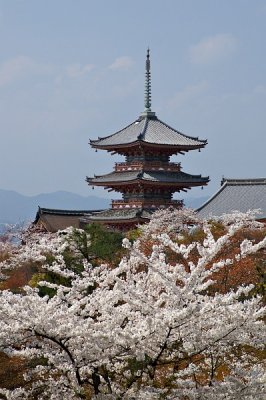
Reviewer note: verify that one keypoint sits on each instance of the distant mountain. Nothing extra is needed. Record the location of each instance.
(15, 207)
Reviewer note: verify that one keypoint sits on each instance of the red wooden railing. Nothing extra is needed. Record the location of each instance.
(136, 203)
(148, 166)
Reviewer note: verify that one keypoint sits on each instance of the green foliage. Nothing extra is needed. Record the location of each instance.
(134, 234)
(48, 277)
(134, 365)
(105, 245)
(82, 244)
(34, 362)
(96, 244)
(73, 262)
(36, 278)
(73, 255)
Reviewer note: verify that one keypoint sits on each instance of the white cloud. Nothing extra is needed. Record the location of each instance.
(22, 66)
(13, 69)
(77, 70)
(212, 49)
(123, 62)
(260, 89)
(188, 94)
(19, 67)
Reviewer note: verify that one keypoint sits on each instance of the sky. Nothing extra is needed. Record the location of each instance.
(73, 70)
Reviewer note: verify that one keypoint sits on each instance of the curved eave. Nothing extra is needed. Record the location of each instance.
(142, 143)
(94, 142)
(201, 182)
(150, 130)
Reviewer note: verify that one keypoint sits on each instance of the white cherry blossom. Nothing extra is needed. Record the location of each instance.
(115, 333)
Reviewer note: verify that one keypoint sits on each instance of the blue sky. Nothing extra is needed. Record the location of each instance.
(71, 70)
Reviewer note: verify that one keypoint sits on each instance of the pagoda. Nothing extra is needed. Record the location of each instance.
(146, 179)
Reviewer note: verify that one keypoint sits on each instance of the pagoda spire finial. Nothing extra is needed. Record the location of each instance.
(147, 97)
(147, 92)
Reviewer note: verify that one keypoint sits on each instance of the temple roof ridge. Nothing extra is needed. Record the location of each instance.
(142, 134)
(115, 133)
(243, 181)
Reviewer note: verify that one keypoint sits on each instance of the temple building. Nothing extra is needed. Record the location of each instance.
(237, 194)
(146, 179)
(53, 220)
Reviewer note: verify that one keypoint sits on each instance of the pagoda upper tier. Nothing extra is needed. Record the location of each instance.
(148, 132)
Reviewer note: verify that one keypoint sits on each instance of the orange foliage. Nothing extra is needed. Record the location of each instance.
(11, 371)
(248, 270)
(18, 277)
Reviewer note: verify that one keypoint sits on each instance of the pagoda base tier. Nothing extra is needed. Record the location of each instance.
(122, 220)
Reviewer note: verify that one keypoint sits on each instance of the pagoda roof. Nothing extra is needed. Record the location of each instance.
(149, 176)
(149, 129)
(117, 215)
(237, 195)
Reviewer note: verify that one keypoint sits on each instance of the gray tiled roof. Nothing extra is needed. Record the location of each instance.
(112, 214)
(54, 220)
(149, 130)
(237, 195)
(158, 176)
(55, 211)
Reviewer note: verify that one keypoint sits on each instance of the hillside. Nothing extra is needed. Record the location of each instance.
(15, 207)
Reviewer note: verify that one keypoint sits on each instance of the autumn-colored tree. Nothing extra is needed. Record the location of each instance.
(186, 228)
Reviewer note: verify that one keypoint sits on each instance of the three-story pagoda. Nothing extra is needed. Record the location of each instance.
(147, 179)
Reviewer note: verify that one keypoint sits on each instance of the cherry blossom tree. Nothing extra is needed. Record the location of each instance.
(147, 329)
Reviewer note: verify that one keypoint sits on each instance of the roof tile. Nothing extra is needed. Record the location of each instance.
(149, 130)
(237, 195)
(158, 176)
